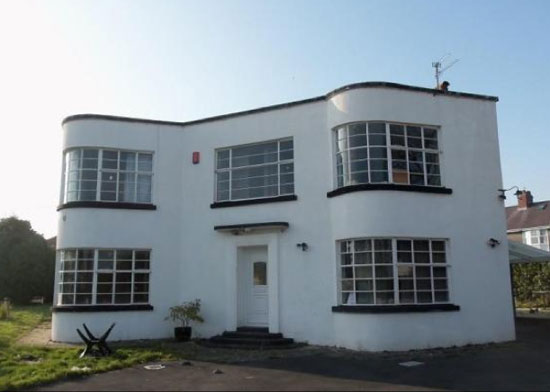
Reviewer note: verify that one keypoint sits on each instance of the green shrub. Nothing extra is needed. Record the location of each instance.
(528, 279)
(4, 310)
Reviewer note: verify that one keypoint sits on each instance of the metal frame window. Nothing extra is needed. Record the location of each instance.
(93, 174)
(539, 238)
(392, 271)
(104, 277)
(383, 152)
(254, 171)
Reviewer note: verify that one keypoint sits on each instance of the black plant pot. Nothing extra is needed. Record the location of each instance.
(182, 334)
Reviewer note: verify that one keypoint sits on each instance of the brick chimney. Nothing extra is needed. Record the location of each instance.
(525, 199)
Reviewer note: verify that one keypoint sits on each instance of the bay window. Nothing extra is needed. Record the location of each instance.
(392, 271)
(93, 174)
(383, 152)
(103, 277)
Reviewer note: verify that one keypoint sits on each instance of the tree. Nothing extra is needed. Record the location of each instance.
(27, 263)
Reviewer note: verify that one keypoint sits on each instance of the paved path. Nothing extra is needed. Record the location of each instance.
(200, 377)
(522, 365)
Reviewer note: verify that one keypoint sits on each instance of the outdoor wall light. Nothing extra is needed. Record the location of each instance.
(503, 191)
(493, 242)
(303, 245)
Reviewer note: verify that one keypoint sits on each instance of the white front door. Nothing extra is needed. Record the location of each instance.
(253, 287)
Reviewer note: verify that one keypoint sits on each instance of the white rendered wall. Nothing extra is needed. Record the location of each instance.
(191, 260)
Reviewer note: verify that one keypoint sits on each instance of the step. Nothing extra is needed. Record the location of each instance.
(253, 329)
(210, 344)
(252, 341)
(257, 335)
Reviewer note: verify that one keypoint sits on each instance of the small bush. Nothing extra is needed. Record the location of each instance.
(4, 310)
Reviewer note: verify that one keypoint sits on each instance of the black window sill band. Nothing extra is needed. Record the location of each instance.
(247, 202)
(100, 308)
(395, 308)
(107, 204)
(389, 187)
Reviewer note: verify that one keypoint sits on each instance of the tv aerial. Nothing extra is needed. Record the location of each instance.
(440, 67)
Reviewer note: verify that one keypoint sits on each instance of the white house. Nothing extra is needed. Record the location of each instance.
(360, 219)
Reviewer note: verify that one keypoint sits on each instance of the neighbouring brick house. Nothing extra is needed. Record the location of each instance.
(529, 222)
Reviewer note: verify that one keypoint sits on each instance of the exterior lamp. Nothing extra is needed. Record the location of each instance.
(503, 192)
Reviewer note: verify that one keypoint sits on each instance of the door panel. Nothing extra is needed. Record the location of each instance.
(253, 287)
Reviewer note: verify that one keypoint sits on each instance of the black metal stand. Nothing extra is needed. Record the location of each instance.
(91, 341)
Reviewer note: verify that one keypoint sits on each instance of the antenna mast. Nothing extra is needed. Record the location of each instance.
(438, 70)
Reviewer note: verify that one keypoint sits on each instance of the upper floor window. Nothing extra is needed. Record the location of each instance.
(379, 152)
(255, 171)
(93, 174)
(387, 271)
(538, 238)
(103, 277)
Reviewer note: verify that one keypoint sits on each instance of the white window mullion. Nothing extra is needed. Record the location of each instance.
(230, 196)
(132, 276)
(389, 158)
(414, 272)
(94, 277)
(99, 175)
(117, 174)
(113, 292)
(396, 299)
(432, 271)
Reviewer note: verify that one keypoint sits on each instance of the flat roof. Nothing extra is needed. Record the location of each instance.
(284, 105)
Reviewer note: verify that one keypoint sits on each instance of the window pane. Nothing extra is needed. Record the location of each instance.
(406, 297)
(144, 188)
(441, 296)
(363, 285)
(424, 296)
(260, 273)
(379, 128)
(347, 273)
(127, 161)
(363, 272)
(384, 284)
(145, 162)
(384, 272)
(381, 245)
(405, 271)
(346, 259)
(384, 298)
(222, 159)
(347, 285)
(363, 258)
(254, 155)
(365, 298)
(110, 160)
(127, 187)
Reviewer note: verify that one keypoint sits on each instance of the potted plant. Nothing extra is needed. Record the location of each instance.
(185, 313)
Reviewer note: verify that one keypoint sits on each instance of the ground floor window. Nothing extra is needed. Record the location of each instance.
(104, 276)
(388, 271)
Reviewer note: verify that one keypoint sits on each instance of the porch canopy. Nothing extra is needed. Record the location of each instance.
(520, 254)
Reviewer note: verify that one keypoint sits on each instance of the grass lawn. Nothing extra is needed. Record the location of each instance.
(25, 366)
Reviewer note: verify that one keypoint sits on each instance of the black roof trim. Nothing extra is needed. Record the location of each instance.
(282, 105)
(252, 226)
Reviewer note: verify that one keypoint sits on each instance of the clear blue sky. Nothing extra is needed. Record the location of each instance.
(181, 60)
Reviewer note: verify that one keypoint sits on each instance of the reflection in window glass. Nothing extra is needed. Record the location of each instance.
(255, 171)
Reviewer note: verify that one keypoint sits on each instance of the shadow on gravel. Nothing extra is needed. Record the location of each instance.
(520, 365)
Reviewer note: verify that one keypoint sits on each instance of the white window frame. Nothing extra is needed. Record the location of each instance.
(389, 147)
(100, 170)
(96, 270)
(394, 264)
(230, 169)
(538, 238)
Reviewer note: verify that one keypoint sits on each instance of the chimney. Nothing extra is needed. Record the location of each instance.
(444, 87)
(525, 199)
